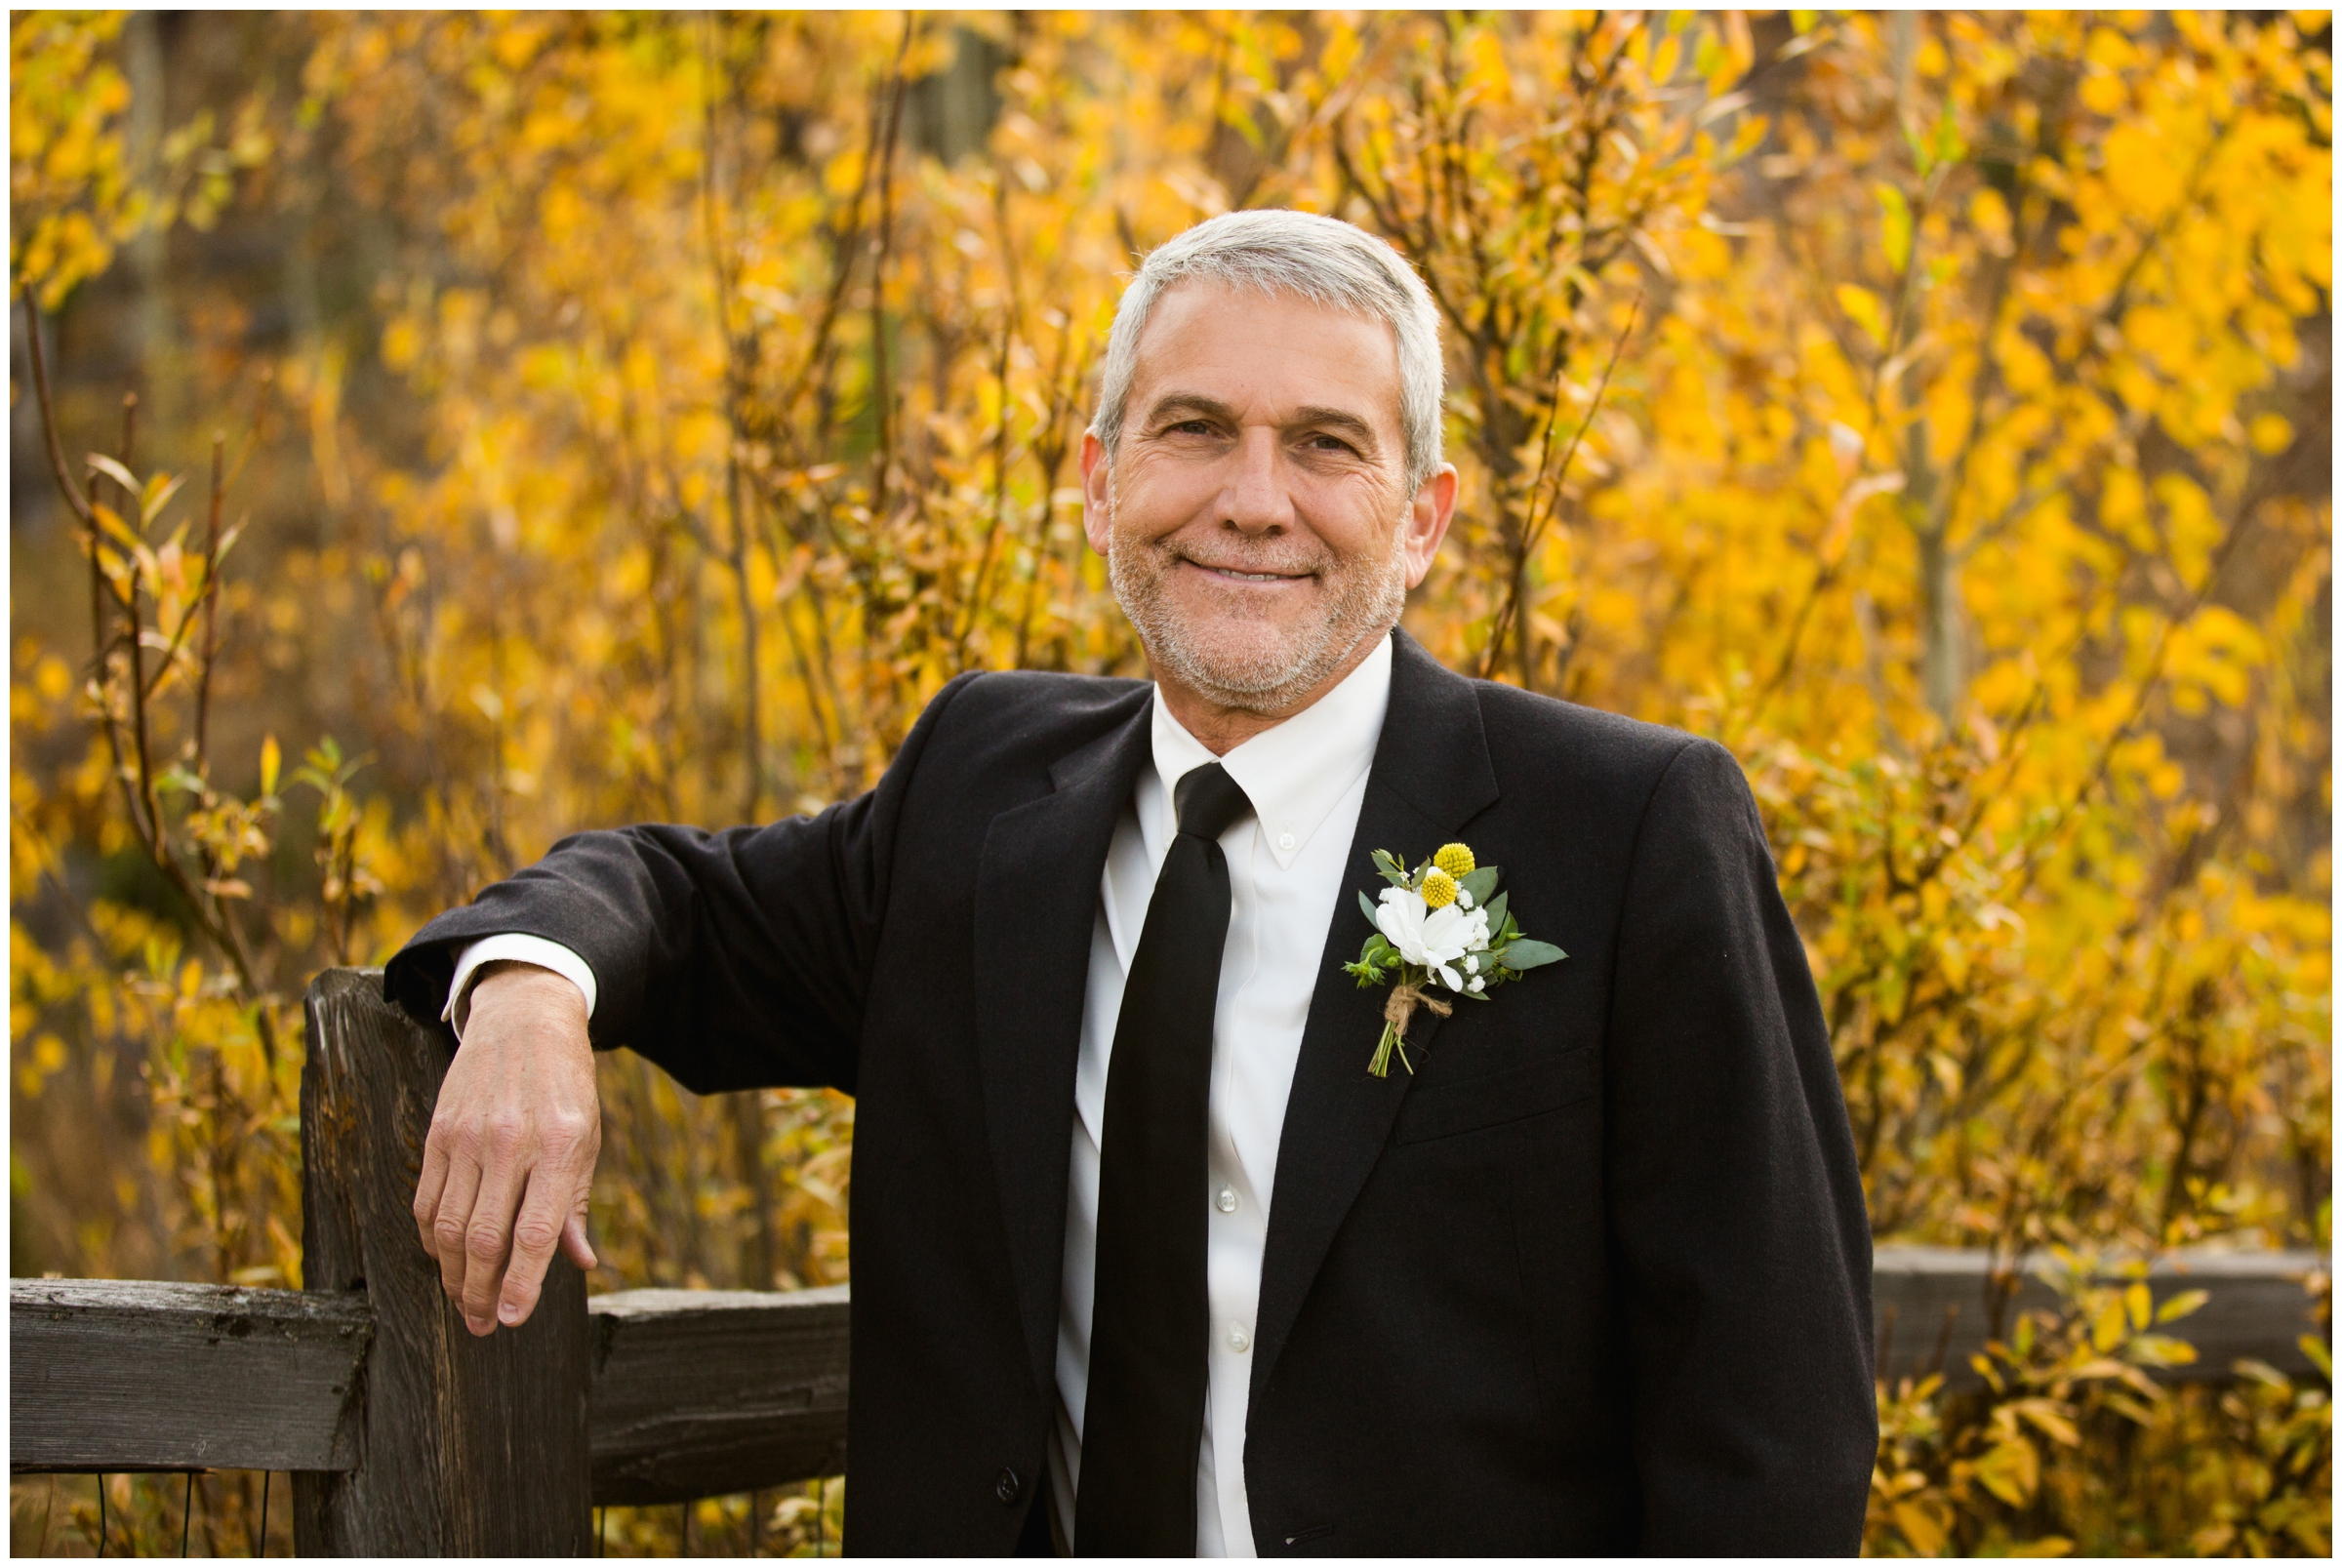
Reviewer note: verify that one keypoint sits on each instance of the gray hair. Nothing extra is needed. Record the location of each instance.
(1323, 261)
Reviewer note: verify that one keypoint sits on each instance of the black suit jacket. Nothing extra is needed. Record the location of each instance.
(1594, 1278)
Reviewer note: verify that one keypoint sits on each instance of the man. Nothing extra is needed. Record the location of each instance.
(1146, 1261)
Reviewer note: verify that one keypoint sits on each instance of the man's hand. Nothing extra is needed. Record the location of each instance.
(509, 1162)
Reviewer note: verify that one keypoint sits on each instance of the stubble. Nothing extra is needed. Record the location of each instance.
(1256, 666)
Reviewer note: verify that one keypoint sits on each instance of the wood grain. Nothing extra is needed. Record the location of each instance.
(1934, 1309)
(465, 1447)
(146, 1375)
(700, 1393)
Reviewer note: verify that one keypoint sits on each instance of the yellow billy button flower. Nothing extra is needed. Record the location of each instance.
(1439, 889)
(1455, 860)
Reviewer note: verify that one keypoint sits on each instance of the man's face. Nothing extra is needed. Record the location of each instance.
(1256, 521)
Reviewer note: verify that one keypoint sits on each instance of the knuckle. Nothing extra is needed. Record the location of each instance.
(448, 1231)
(484, 1243)
(534, 1235)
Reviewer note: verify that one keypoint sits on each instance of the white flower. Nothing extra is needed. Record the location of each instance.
(1433, 938)
(1477, 984)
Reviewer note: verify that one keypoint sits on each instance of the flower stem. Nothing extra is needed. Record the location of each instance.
(1392, 1040)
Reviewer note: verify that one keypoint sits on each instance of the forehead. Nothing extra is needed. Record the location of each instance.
(1266, 352)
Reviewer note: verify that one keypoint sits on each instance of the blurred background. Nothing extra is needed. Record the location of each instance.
(518, 423)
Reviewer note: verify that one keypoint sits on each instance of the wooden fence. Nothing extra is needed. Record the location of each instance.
(406, 1436)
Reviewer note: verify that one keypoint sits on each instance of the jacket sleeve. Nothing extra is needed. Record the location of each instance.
(735, 960)
(1736, 1202)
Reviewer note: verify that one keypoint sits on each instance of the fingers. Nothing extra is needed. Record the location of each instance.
(573, 1245)
(452, 1223)
(535, 1233)
(488, 1240)
(428, 1190)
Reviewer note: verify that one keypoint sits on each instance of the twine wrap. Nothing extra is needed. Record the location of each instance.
(1399, 1010)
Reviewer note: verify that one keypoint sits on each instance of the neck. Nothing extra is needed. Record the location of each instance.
(1222, 727)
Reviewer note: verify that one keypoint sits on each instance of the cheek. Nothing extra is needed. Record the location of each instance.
(1149, 489)
(1363, 522)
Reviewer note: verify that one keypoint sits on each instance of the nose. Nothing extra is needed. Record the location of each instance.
(1255, 500)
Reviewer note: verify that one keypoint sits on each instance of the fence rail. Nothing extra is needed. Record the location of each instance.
(406, 1436)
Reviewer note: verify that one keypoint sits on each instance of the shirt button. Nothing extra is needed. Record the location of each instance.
(1227, 1200)
(1238, 1340)
(1284, 841)
(1007, 1485)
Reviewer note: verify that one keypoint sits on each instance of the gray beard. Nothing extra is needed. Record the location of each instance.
(1367, 603)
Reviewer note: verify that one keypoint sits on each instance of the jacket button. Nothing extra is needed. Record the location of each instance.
(1007, 1486)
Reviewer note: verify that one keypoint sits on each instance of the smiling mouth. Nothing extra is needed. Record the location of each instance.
(1233, 575)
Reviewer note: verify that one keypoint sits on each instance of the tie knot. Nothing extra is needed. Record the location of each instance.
(1209, 802)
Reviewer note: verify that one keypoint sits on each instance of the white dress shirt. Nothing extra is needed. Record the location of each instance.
(1307, 780)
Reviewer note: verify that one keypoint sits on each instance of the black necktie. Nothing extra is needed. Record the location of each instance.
(1151, 1323)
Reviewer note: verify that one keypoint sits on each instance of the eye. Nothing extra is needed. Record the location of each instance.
(1325, 441)
(1189, 428)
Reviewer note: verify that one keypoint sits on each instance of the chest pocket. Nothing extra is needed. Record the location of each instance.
(1443, 1110)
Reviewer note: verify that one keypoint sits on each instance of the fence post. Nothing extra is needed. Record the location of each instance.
(465, 1447)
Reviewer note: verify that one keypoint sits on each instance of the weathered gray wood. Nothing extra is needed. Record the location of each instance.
(137, 1374)
(1934, 1308)
(699, 1392)
(465, 1447)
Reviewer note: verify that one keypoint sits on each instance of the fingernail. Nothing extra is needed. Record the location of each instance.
(509, 1313)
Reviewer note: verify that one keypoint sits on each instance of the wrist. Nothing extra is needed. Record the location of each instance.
(506, 981)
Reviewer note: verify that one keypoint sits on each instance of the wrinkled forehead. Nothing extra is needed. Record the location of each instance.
(1264, 331)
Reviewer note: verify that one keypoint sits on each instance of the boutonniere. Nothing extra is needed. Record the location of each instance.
(1442, 926)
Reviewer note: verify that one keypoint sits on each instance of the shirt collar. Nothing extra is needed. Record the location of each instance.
(1296, 772)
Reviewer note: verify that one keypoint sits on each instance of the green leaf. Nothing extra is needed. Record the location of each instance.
(1896, 231)
(1525, 955)
(1392, 872)
(160, 488)
(2181, 1304)
(1480, 884)
(113, 470)
(1950, 146)
(2320, 1355)
(1366, 903)
(1496, 912)
(2160, 1350)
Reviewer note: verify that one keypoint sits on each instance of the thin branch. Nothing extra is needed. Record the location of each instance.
(40, 385)
(210, 608)
(1533, 528)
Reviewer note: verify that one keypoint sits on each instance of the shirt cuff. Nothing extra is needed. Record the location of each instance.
(513, 947)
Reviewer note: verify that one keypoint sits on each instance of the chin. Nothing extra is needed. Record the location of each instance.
(1236, 657)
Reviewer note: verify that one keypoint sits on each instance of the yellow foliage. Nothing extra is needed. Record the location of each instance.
(1913, 402)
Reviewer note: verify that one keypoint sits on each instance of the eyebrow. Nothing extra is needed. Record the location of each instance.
(1171, 403)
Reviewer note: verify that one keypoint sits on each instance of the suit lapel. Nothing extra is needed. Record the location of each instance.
(1432, 775)
(1036, 900)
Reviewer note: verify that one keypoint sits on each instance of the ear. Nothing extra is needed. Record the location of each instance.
(1426, 522)
(1097, 492)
